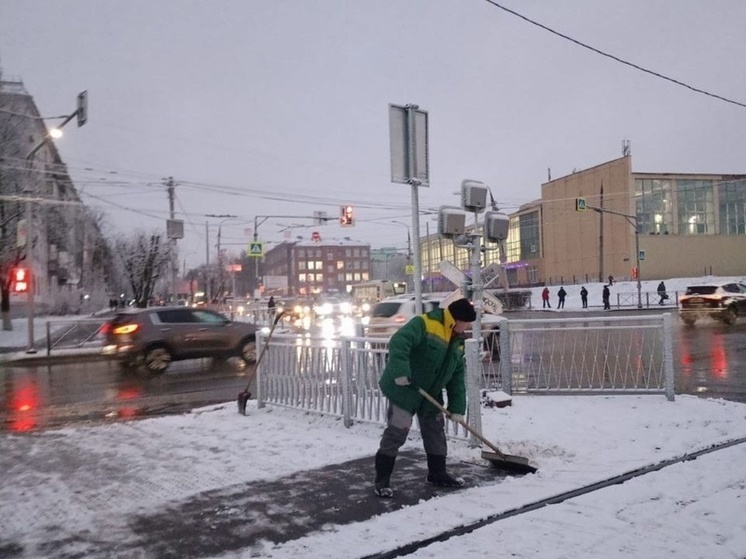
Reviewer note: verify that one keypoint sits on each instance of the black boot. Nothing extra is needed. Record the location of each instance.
(437, 475)
(384, 467)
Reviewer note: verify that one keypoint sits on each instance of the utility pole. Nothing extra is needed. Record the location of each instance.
(172, 241)
(601, 237)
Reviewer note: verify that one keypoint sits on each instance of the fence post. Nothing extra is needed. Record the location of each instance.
(260, 341)
(506, 359)
(473, 376)
(668, 356)
(346, 374)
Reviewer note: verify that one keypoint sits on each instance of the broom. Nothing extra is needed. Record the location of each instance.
(244, 395)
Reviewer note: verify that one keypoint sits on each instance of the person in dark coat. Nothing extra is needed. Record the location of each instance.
(427, 353)
(605, 295)
(584, 297)
(545, 299)
(271, 307)
(561, 294)
(662, 293)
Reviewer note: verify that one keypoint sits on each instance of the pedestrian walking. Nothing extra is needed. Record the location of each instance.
(545, 299)
(662, 293)
(605, 295)
(427, 353)
(584, 297)
(561, 294)
(271, 307)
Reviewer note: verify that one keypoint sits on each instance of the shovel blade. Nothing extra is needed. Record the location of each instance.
(243, 397)
(509, 463)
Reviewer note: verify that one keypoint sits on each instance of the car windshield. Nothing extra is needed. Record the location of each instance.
(386, 310)
(701, 289)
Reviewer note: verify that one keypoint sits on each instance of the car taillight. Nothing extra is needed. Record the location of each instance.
(125, 329)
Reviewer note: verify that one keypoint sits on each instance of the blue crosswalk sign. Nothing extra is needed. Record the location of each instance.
(256, 249)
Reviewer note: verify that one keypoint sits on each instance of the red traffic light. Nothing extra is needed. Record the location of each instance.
(347, 216)
(21, 277)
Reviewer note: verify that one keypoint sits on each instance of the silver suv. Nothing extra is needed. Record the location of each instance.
(155, 336)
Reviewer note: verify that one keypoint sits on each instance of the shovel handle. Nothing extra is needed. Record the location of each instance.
(463, 423)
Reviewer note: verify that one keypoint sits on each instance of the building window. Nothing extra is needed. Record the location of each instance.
(653, 206)
(732, 196)
(302, 265)
(532, 274)
(696, 208)
(340, 264)
(526, 245)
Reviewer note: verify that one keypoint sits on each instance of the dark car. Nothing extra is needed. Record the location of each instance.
(721, 301)
(155, 336)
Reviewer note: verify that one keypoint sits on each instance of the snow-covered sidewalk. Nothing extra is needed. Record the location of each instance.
(84, 490)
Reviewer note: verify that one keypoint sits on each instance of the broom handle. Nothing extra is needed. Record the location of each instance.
(264, 347)
(465, 425)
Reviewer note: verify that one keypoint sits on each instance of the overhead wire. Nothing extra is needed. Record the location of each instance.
(614, 57)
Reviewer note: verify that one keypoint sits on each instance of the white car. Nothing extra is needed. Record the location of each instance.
(391, 314)
(721, 301)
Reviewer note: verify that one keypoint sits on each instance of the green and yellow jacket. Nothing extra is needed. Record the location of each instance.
(426, 351)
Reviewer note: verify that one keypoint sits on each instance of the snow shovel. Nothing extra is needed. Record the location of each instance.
(244, 395)
(507, 462)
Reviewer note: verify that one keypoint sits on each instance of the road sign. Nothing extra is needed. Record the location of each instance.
(256, 249)
(452, 273)
(580, 204)
(491, 304)
(409, 144)
(642, 255)
(409, 269)
(488, 274)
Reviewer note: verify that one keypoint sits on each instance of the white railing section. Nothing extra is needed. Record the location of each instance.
(620, 355)
(614, 355)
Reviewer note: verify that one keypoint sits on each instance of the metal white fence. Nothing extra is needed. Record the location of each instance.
(614, 355)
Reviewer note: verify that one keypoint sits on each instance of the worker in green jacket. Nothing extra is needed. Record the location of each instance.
(427, 353)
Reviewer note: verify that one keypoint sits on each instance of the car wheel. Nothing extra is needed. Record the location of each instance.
(731, 315)
(157, 360)
(248, 350)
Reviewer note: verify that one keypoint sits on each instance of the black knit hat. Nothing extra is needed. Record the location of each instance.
(462, 310)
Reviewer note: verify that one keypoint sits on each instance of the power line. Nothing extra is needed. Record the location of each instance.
(615, 58)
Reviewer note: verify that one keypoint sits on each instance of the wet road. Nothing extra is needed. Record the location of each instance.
(709, 360)
(46, 396)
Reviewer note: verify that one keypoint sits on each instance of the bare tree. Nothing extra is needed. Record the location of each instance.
(144, 258)
(11, 209)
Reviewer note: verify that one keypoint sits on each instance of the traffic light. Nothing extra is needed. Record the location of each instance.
(347, 216)
(20, 280)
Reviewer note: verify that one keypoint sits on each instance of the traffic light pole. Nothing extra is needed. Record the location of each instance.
(633, 221)
(264, 218)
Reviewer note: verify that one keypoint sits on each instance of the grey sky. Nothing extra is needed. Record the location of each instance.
(250, 105)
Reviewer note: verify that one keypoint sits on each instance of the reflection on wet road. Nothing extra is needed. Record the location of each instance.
(45, 396)
(710, 360)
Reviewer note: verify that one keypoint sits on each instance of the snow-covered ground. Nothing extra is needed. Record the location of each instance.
(690, 510)
(90, 480)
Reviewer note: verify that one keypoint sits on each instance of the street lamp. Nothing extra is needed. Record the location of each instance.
(207, 250)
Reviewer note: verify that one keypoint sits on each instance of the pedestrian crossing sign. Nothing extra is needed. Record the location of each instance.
(256, 249)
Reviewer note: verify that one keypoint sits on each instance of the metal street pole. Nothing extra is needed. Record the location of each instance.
(32, 281)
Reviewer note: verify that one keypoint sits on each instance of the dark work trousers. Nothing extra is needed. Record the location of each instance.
(398, 423)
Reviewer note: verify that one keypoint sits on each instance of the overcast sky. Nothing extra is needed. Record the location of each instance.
(281, 108)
